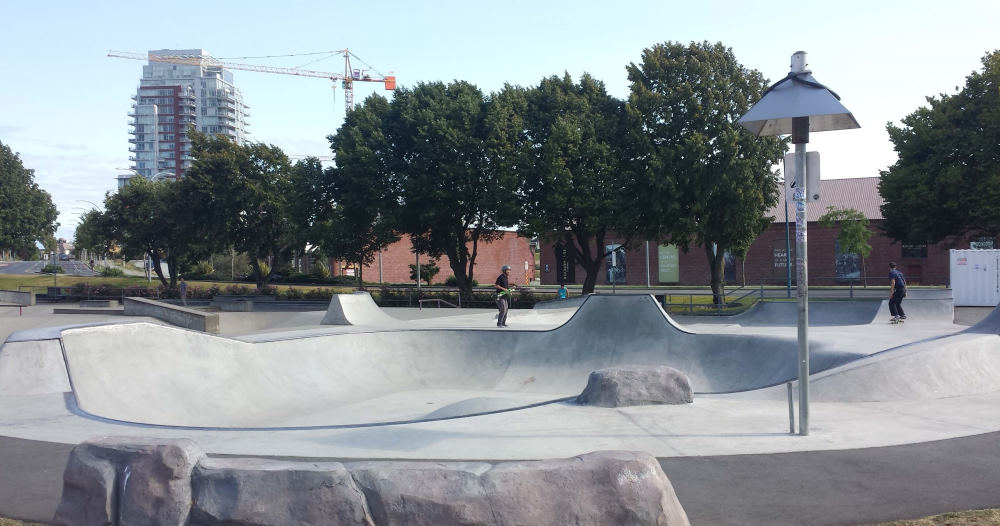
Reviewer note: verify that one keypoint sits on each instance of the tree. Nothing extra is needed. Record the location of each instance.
(854, 232)
(27, 214)
(360, 196)
(243, 196)
(721, 179)
(946, 181)
(89, 233)
(152, 218)
(428, 160)
(568, 143)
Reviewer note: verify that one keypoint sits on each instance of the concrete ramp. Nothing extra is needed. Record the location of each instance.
(356, 309)
(821, 313)
(166, 376)
(921, 311)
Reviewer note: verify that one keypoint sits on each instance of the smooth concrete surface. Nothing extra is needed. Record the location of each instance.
(940, 389)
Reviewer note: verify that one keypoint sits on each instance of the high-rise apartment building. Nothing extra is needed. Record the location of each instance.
(171, 97)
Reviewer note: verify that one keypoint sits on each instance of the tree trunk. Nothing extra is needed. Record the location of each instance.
(717, 264)
(154, 258)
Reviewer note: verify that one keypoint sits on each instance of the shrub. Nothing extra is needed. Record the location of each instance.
(298, 277)
(112, 272)
(52, 269)
(291, 293)
(427, 271)
(320, 272)
(452, 281)
(343, 280)
(319, 294)
(201, 270)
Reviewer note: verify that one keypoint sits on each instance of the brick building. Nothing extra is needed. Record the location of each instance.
(767, 258)
(393, 264)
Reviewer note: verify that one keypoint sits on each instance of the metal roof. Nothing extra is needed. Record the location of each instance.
(859, 193)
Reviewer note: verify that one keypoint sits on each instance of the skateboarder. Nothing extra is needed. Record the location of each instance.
(897, 291)
(184, 292)
(503, 295)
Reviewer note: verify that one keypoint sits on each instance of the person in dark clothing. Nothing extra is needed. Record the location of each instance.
(503, 295)
(897, 291)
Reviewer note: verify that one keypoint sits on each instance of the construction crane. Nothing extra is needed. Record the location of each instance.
(347, 79)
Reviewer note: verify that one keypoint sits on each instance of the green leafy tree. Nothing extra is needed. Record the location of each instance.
(720, 178)
(427, 271)
(90, 234)
(453, 198)
(946, 181)
(153, 218)
(360, 197)
(27, 214)
(567, 142)
(854, 232)
(242, 196)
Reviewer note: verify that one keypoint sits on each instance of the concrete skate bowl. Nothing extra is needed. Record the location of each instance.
(935, 310)
(148, 374)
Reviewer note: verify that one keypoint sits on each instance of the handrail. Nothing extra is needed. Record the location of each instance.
(439, 302)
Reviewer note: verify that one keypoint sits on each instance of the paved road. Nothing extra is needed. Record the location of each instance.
(71, 267)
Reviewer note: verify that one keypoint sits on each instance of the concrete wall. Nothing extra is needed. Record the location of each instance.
(511, 249)
(173, 314)
(19, 298)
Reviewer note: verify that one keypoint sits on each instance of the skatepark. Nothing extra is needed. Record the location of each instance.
(360, 382)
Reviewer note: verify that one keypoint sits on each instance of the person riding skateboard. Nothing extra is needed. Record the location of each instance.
(897, 291)
(502, 286)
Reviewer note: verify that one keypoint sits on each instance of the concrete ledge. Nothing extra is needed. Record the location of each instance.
(242, 297)
(110, 311)
(173, 482)
(99, 303)
(179, 316)
(16, 297)
(240, 305)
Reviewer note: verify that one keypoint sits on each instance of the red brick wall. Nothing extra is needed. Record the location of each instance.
(760, 265)
(511, 249)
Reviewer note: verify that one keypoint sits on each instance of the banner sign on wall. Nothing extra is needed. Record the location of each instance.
(669, 264)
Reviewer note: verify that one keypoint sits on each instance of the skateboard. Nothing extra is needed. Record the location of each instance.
(895, 321)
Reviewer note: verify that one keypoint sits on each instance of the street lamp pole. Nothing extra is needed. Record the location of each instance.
(796, 105)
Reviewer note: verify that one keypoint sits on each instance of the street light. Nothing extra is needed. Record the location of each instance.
(123, 179)
(796, 105)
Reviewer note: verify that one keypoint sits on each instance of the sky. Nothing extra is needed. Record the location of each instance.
(64, 102)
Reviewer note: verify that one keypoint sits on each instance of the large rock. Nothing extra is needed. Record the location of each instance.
(128, 482)
(636, 385)
(424, 493)
(609, 487)
(605, 487)
(255, 492)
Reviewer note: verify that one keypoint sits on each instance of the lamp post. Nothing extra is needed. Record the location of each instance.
(796, 105)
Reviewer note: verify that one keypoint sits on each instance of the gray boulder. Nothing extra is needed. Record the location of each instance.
(636, 385)
(608, 487)
(605, 487)
(253, 492)
(128, 481)
(424, 493)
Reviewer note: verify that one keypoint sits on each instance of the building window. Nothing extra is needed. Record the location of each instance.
(914, 250)
(982, 243)
(847, 265)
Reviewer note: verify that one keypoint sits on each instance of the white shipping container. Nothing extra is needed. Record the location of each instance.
(975, 277)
